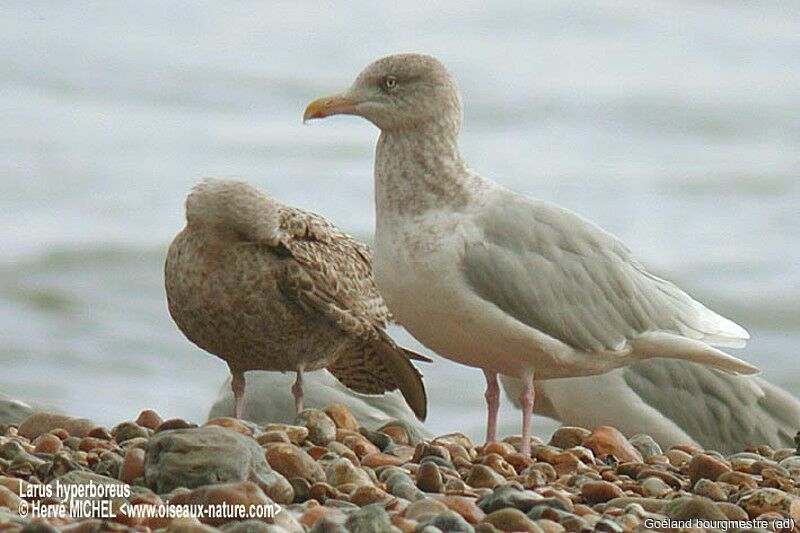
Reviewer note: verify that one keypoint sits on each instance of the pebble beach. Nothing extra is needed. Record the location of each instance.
(325, 473)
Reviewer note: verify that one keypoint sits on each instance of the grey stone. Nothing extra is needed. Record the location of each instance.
(646, 445)
(508, 496)
(195, 457)
(448, 521)
(693, 507)
(369, 519)
(249, 526)
(321, 429)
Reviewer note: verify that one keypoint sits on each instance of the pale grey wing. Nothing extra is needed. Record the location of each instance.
(673, 401)
(601, 400)
(562, 275)
(719, 411)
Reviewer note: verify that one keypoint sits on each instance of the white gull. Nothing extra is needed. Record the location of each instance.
(497, 280)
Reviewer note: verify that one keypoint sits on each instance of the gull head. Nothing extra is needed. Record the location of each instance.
(232, 210)
(396, 92)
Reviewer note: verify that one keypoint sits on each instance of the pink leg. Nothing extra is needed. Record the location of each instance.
(237, 384)
(297, 391)
(526, 398)
(492, 396)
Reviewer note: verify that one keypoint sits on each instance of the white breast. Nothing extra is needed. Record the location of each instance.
(417, 272)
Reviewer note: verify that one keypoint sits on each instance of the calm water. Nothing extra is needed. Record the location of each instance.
(676, 125)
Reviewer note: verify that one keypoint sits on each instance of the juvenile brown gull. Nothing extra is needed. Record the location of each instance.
(497, 280)
(265, 286)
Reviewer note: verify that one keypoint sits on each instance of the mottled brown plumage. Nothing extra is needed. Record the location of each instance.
(265, 286)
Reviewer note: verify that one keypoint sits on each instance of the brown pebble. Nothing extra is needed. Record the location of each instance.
(711, 490)
(732, 511)
(584, 455)
(483, 477)
(565, 463)
(61, 433)
(317, 451)
(510, 519)
(174, 423)
(655, 487)
(292, 461)
(582, 510)
(703, 466)
(651, 505)
(693, 507)
(360, 445)
(48, 443)
(88, 444)
(343, 451)
(374, 460)
(516, 441)
(273, 436)
(549, 526)
(671, 479)
(296, 434)
(404, 525)
(132, 465)
(397, 432)
(8, 498)
(568, 436)
(323, 491)
(367, 494)
(503, 449)
(149, 419)
(656, 460)
(688, 448)
(594, 492)
(739, 479)
(404, 453)
(765, 500)
(423, 449)
(99, 432)
(546, 469)
(455, 438)
(499, 465)
(429, 479)
(466, 507)
(421, 510)
(678, 457)
(342, 417)
(519, 461)
(606, 440)
(230, 423)
(245, 493)
(310, 517)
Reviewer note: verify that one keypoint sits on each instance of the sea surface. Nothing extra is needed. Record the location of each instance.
(674, 124)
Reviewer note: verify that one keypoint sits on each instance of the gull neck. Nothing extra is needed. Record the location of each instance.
(420, 169)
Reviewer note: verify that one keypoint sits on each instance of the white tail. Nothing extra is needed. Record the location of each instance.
(662, 344)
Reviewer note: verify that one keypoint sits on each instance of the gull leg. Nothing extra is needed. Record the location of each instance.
(492, 396)
(237, 384)
(297, 390)
(526, 398)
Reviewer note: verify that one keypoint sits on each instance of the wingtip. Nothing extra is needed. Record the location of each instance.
(407, 377)
(416, 356)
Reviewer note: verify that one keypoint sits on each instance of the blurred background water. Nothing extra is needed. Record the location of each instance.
(675, 125)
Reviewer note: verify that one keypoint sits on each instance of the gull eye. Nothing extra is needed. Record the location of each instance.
(389, 83)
